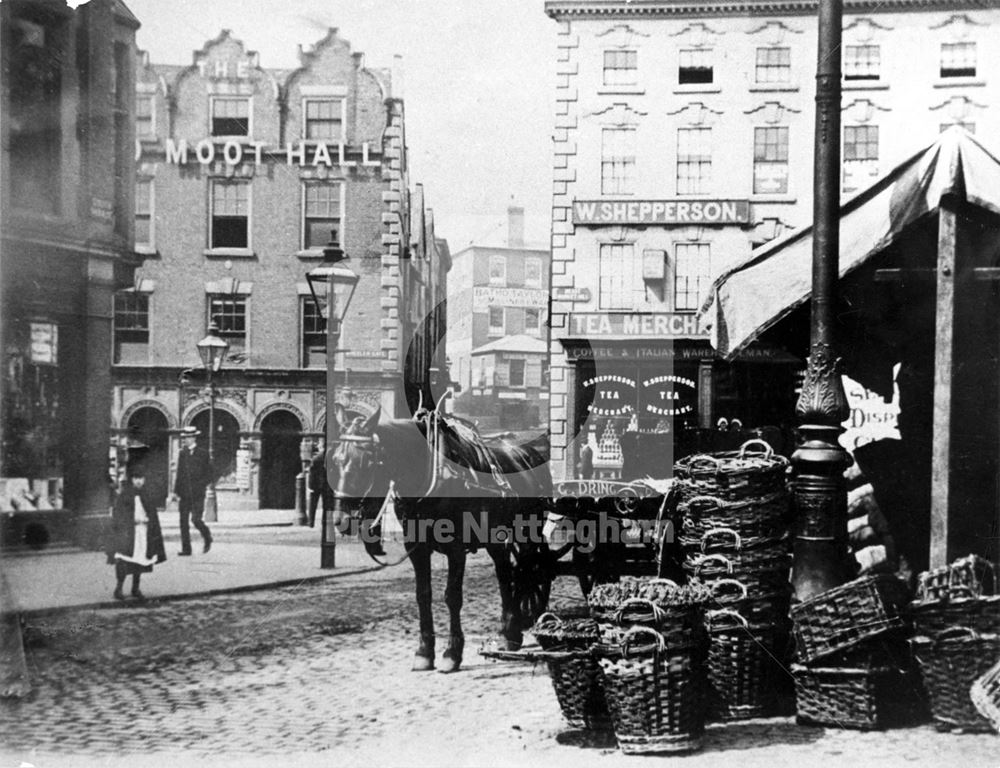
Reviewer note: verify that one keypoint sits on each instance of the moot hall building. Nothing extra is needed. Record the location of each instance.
(243, 176)
(683, 139)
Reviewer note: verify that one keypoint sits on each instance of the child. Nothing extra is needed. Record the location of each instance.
(136, 539)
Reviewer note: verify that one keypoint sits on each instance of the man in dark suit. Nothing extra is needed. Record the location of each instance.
(193, 477)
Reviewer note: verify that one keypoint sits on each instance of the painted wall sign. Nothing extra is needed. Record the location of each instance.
(666, 395)
(484, 297)
(599, 489)
(674, 352)
(631, 324)
(613, 395)
(234, 152)
(661, 211)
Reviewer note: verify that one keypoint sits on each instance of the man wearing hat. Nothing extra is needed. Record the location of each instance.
(193, 477)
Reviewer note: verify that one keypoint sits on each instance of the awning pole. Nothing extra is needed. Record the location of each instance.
(818, 487)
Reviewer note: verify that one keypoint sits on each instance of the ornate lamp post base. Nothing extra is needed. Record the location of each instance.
(819, 490)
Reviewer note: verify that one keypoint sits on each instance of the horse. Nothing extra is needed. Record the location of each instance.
(444, 481)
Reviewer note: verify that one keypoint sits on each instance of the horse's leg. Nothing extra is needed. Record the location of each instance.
(453, 598)
(421, 559)
(510, 620)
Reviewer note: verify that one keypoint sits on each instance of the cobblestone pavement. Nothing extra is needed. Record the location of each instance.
(319, 675)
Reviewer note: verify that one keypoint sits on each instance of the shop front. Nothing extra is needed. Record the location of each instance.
(639, 401)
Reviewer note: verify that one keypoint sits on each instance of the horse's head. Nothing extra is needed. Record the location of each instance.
(353, 463)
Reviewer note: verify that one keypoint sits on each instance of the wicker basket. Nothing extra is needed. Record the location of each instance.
(732, 475)
(760, 576)
(579, 687)
(552, 631)
(844, 616)
(961, 607)
(757, 518)
(770, 609)
(864, 697)
(741, 664)
(969, 576)
(950, 663)
(655, 693)
(985, 695)
(605, 600)
(576, 680)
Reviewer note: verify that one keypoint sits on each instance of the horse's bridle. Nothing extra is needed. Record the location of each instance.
(378, 460)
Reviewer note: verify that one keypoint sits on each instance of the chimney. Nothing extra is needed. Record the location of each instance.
(515, 226)
(396, 89)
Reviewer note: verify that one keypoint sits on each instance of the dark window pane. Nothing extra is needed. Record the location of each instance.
(229, 232)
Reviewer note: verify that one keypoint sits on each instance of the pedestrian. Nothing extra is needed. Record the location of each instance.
(193, 477)
(319, 486)
(136, 542)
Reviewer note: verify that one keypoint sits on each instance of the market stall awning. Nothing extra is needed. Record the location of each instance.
(750, 298)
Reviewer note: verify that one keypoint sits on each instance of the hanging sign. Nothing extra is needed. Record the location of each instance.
(613, 395)
(668, 395)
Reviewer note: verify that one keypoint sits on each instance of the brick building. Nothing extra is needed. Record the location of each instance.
(66, 196)
(243, 173)
(683, 139)
(497, 335)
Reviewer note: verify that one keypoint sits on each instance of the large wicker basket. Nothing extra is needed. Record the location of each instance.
(760, 575)
(950, 663)
(655, 693)
(741, 665)
(575, 633)
(755, 518)
(844, 616)
(969, 576)
(959, 606)
(985, 695)
(862, 697)
(732, 475)
(770, 608)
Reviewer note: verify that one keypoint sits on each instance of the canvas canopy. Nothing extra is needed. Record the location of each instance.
(750, 298)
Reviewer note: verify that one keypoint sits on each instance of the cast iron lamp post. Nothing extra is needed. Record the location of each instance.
(819, 490)
(213, 351)
(332, 286)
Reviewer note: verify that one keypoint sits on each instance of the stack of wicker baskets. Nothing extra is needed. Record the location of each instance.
(854, 671)
(734, 537)
(651, 660)
(957, 620)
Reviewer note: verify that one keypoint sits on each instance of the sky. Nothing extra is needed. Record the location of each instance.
(478, 88)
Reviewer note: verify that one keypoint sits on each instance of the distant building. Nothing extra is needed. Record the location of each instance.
(497, 331)
(683, 139)
(244, 176)
(66, 200)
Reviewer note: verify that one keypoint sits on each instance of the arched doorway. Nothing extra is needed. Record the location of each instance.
(281, 434)
(227, 442)
(149, 426)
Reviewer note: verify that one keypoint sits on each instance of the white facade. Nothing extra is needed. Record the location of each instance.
(675, 110)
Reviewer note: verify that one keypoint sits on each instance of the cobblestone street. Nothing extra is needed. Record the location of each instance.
(319, 675)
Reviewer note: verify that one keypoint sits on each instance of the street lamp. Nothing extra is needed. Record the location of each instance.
(819, 490)
(213, 351)
(332, 286)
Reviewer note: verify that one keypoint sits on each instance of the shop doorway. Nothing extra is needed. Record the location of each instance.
(227, 441)
(149, 427)
(281, 435)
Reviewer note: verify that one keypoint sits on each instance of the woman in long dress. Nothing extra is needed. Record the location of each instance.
(136, 538)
